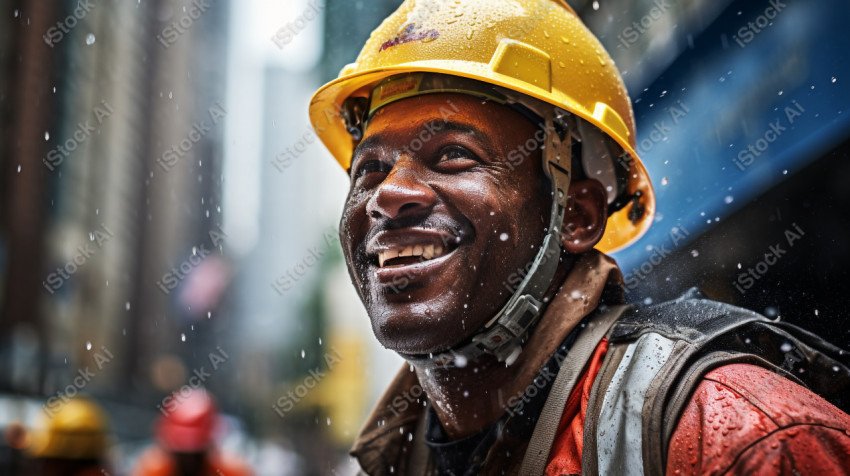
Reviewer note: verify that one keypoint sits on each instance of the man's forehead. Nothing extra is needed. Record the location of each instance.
(452, 112)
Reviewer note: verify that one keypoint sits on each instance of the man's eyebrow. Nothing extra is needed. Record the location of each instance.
(443, 126)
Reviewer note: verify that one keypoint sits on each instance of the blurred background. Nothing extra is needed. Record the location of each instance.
(168, 218)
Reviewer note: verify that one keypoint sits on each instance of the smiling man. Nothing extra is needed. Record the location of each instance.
(491, 150)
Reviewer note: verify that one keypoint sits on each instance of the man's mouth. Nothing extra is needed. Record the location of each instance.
(409, 255)
(408, 247)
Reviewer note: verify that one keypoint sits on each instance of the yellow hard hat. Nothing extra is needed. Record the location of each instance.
(539, 48)
(75, 429)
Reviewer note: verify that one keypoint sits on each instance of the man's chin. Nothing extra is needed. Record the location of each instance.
(406, 329)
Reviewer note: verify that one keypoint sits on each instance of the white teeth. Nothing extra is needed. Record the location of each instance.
(385, 255)
(425, 251)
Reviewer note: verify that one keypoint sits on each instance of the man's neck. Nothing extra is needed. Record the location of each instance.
(468, 399)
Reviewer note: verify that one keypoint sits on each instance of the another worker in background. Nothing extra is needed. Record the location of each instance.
(185, 436)
(72, 441)
(491, 152)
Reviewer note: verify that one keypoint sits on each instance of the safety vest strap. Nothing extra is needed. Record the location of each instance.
(537, 452)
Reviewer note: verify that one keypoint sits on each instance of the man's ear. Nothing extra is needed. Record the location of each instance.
(586, 216)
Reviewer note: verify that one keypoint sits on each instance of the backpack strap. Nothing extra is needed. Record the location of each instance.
(537, 453)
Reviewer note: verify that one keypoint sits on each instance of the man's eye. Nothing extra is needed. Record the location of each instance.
(457, 158)
(372, 166)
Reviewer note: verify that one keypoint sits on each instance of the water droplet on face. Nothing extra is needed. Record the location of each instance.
(90, 39)
(504, 237)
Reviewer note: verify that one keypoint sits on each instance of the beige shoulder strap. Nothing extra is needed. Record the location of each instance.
(537, 454)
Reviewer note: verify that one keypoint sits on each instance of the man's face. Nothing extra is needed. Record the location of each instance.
(439, 222)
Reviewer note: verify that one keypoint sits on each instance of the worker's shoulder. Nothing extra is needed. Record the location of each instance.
(740, 413)
(691, 316)
(782, 401)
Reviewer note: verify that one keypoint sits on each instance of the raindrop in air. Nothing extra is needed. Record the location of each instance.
(90, 39)
(88, 345)
(786, 347)
(503, 237)
(46, 135)
(182, 337)
(595, 5)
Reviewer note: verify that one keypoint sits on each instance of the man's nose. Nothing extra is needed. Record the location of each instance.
(401, 194)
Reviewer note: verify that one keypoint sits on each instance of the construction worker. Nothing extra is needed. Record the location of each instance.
(185, 436)
(490, 146)
(72, 441)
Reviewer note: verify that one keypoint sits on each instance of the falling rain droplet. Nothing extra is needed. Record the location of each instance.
(729, 199)
(503, 237)
(90, 39)
(182, 337)
(303, 353)
(664, 181)
(786, 347)
(209, 314)
(595, 5)
(127, 305)
(834, 80)
(46, 135)
(88, 345)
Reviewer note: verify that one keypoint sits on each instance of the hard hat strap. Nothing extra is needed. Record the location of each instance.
(504, 334)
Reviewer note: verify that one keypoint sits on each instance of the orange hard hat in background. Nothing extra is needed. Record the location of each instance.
(189, 422)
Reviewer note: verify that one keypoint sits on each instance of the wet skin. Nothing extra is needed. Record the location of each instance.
(433, 171)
